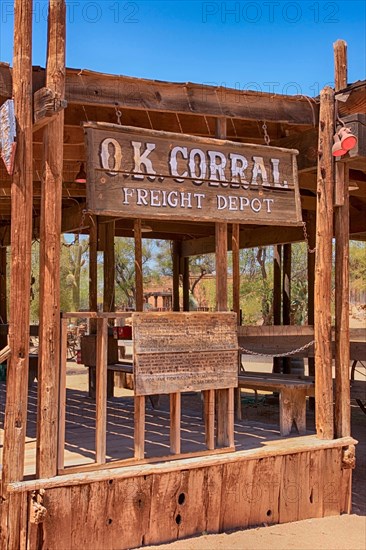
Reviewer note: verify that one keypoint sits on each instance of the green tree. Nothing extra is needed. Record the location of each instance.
(125, 269)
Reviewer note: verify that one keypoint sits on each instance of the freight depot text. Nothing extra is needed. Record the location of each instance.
(158, 198)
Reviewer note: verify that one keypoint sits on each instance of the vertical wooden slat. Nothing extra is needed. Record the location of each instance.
(323, 269)
(277, 295)
(185, 262)
(175, 417)
(109, 267)
(225, 424)
(341, 231)
(50, 251)
(176, 270)
(286, 297)
(62, 397)
(236, 298)
(138, 266)
(101, 391)
(311, 232)
(139, 425)
(236, 270)
(209, 418)
(21, 241)
(3, 285)
(93, 271)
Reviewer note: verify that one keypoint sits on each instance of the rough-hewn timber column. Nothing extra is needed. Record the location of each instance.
(3, 285)
(50, 232)
(109, 267)
(341, 231)
(93, 271)
(21, 242)
(323, 269)
(139, 285)
(176, 263)
(277, 298)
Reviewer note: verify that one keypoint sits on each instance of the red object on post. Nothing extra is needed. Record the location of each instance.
(123, 333)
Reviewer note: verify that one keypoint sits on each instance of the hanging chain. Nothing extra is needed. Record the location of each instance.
(267, 139)
(287, 354)
(119, 116)
(310, 250)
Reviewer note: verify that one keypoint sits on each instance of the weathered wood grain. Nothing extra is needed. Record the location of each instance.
(323, 269)
(159, 175)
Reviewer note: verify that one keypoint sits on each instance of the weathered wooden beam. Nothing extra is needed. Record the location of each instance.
(3, 286)
(109, 267)
(341, 231)
(139, 283)
(90, 88)
(277, 298)
(176, 262)
(323, 270)
(306, 143)
(310, 220)
(15, 422)
(185, 273)
(248, 238)
(47, 104)
(93, 271)
(50, 253)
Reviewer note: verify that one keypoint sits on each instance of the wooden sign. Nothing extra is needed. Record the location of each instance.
(8, 134)
(138, 173)
(177, 352)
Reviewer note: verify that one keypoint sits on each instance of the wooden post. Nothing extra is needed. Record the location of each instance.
(62, 398)
(93, 271)
(323, 269)
(236, 299)
(3, 284)
(101, 391)
(21, 243)
(50, 233)
(225, 405)
(139, 426)
(341, 221)
(185, 262)
(209, 418)
(175, 416)
(139, 285)
(311, 232)
(176, 263)
(286, 297)
(109, 267)
(277, 295)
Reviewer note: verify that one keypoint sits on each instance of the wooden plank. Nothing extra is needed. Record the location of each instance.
(139, 426)
(101, 392)
(139, 285)
(175, 416)
(15, 421)
(160, 178)
(286, 284)
(342, 235)
(290, 446)
(109, 268)
(277, 298)
(292, 410)
(176, 270)
(310, 221)
(272, 331)
(50, 251)
(248, 238)
(3, 285)
(236, 300)
(185, 266)
(93, 271)
(209, 418)
(62, 397)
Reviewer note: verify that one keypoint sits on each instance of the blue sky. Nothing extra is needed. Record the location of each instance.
(280, 46)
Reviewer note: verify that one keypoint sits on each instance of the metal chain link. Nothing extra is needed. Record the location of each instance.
(287, 354)
(267, 139)
(310, 250)
(119, 116)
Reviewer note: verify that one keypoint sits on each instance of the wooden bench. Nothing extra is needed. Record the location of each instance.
(293, 392)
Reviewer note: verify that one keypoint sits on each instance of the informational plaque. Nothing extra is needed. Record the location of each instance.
(177, 352)
(147, 174)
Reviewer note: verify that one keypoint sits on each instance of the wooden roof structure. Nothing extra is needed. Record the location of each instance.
(292, 121)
